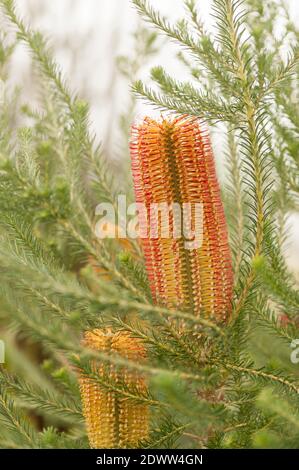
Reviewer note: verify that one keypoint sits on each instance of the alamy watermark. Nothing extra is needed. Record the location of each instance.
(295, 353)
(2, 352)
(156, 220)
(2, 92)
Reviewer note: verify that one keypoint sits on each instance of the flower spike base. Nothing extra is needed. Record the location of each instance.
(113, 420)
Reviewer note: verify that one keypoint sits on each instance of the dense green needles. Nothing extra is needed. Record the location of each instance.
(58, 280)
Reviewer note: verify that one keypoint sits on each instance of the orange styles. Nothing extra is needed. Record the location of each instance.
(173, 164)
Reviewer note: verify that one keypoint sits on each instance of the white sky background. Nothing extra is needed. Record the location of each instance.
(87, 36)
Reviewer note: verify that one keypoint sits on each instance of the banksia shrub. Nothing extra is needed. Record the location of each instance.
(113, 420)
(173, 164)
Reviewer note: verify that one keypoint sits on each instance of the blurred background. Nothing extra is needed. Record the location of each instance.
(93, 42)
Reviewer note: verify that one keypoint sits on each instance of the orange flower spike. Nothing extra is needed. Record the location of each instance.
(172, 162)
(112, 420)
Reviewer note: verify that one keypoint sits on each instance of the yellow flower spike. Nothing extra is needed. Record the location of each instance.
(112, 420)
(172, 163)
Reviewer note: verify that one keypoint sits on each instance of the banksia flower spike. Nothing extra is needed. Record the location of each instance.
(173, 164)
(112, 420)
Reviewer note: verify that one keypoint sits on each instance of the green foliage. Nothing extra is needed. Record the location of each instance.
(58, 279)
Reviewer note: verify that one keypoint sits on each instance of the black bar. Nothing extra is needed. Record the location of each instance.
(131, 459)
